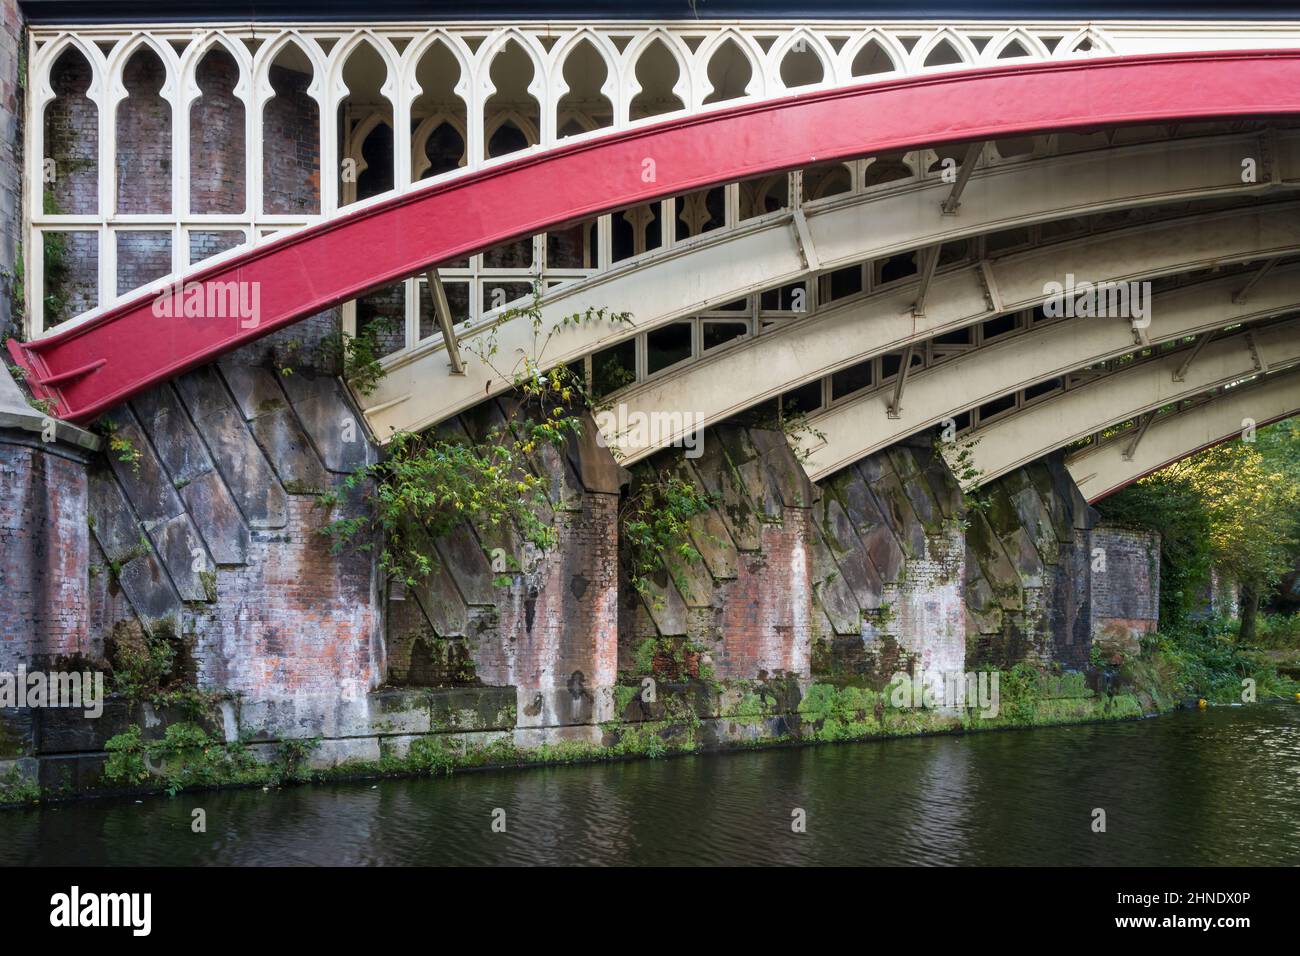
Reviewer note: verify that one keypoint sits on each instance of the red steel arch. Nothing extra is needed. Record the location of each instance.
(91, 367)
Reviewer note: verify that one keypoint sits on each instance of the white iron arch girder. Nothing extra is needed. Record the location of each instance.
(859, 426)
(721, 267)
(755, 370)
(1017, 439)
(1100, 470)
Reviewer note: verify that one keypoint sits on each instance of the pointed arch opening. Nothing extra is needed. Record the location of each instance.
(144, 137)
(70, 166)
(511, 116)
(365, 128)
(801, 66)
(584, 107)
(291, 138)
(438, 115)
(943, 54)
(872, 59)
(217, 137)
(657, 73)
(729, 72)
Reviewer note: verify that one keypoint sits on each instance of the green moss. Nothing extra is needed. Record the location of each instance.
(187, 757)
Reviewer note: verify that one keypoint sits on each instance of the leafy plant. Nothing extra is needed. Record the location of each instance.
(426, 486)
(360, 355)
(655, 519)
(120, 446)
(960, 455)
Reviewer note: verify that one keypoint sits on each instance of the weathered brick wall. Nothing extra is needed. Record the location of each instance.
(217, 163)
(144, 138)
(1027, 568)
(213, 536)
(44, 553)
(548, 625)
(71, 133)
(745, 611)
(890, 574)
(1124, 587)
(291, 146)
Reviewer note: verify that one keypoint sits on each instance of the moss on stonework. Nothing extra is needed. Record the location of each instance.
(682, 718)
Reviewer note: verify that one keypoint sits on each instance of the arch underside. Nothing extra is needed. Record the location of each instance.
(1226, 414)
(1226, 365)
(114, 353)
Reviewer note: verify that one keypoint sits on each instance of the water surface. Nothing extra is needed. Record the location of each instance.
(1192, 788)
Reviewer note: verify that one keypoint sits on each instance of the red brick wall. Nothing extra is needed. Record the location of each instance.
(765, 624)
(217, 166)
(44, 555)
(291, 146)
(295, 621)
(574, 613)
(144, 138)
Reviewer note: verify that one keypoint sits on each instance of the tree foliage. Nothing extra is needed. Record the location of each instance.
(1234, 507)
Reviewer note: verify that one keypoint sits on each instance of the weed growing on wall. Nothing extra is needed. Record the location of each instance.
(427, 485)
(655, 519)
(359, 355)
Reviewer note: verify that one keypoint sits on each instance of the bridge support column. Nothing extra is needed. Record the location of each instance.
(44, 559)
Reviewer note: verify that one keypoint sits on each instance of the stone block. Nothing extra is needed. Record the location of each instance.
(172, 433)
(150, 591)
(240, 461)
(255, 389)
(187, 561)
(290, 452)
(462, 555)
(441, 602)
(145, 481)
(335, 428)
(111, 519)
(217, 517)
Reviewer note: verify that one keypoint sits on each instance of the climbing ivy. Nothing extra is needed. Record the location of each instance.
(426, 485)
(655, 519)
(960, 455)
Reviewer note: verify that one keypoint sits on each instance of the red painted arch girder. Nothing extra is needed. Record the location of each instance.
(90, 368)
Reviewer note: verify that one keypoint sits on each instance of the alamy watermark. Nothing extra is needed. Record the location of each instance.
(622, 430)
(953, 690)
(53, 689)
(211, 300)
(1083, 299)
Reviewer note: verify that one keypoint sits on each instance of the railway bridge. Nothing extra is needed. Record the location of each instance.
(815, 255)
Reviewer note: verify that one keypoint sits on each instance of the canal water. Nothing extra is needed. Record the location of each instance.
(1192, 788)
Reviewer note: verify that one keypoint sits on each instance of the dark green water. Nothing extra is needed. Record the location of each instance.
(1219, 787)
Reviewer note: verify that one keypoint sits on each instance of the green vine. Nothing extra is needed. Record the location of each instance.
(960, 455)
(656, 524)
(359, 355)
(426, 486)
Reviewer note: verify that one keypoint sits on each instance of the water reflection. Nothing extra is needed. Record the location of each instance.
(1191, 788)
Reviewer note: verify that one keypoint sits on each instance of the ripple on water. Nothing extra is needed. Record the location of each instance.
(1192, 788)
